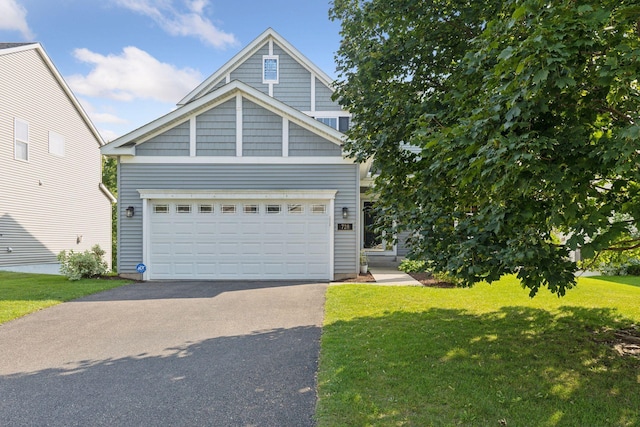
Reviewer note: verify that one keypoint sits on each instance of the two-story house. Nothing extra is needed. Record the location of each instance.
(51, 192)
(246, 179)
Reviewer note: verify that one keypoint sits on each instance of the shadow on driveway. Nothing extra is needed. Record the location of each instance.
(159, 353)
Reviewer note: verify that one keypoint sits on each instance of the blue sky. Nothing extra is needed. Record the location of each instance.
(131, 61)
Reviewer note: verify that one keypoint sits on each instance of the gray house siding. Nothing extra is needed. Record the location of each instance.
(216, 131)
(174, 142)
(262, 135)
(294, 88)
(323, 98)
(305, 143)
(250, 71)
(262, 131)
(343, 178)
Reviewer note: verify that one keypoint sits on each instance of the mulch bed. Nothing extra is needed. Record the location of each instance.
(428, 280)
(362, 278)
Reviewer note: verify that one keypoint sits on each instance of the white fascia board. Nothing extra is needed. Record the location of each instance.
(112, 150)
(238, 194)
(175, 117)
(228, 160)
(217, 97)
(292, 114)
(63, 84)
(249, 50)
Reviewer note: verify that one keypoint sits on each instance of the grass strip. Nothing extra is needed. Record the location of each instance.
(22, 293)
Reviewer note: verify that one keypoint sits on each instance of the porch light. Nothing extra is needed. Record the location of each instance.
(130, 211)
(345, 212)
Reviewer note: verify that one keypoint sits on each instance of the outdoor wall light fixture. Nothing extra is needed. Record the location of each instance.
(345, 212)
(130, 211)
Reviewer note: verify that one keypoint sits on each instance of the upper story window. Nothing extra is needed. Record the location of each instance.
(21, 140)
(329, 121)
(270, 69)
(339, 123)
(56, 144)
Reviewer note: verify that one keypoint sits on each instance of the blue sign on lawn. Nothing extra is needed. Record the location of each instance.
(141, 268)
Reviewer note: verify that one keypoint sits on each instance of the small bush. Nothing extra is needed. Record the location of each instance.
(81, 265)
(413, 266)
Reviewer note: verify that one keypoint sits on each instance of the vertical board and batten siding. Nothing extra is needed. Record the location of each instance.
(261, 131)
(343, 178)
(216, 131)
(305, 143)
(47, 202)
(250, 71)
(294, 88)
(173, 142)
(323, 98)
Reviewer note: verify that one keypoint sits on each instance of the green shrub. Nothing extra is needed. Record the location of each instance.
(81, 265)
(413, 266)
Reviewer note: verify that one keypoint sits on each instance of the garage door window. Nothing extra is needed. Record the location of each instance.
(205, 209)
(295, 208)
(274, 209)
(161, 209)
(318, 209)
(228, 209)
(251, 209)
(183, 208)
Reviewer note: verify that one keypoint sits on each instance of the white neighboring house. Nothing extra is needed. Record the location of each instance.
(51, 192)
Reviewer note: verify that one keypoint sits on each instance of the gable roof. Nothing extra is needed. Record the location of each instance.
(249, 50)
(12, 48)
(12, 45)
(125, 145)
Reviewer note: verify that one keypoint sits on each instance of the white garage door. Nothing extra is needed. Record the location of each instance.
(239, 239)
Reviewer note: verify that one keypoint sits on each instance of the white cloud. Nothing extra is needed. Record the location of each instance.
(134, 74)
(188, 20)
(97, 117)
(13, 17)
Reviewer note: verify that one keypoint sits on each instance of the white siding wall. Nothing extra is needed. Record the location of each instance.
(47, 202)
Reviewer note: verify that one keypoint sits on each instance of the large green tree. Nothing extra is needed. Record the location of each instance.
(525, 117)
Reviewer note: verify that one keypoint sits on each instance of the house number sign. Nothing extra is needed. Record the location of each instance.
(345, 227)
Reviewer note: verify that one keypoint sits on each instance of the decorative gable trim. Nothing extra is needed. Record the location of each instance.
(125, 145)
(269, 36)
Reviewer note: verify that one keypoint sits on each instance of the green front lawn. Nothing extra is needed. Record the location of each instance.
(22, 293)
(485, 356)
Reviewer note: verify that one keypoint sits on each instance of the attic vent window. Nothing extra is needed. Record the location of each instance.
(270, 69)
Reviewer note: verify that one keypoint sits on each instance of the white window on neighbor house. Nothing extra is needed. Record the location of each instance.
(21, 140)
(56, 144)
(270, 69)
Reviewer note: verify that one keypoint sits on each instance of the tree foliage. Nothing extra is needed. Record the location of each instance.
(525, 114)
(110, 180)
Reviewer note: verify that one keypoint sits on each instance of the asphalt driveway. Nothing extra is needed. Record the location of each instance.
(170, 354)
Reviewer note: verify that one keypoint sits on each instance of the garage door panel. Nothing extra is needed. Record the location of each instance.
(210, 244)
(227, 248)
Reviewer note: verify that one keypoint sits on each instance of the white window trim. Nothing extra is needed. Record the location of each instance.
(277, 79)
(16, 139)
